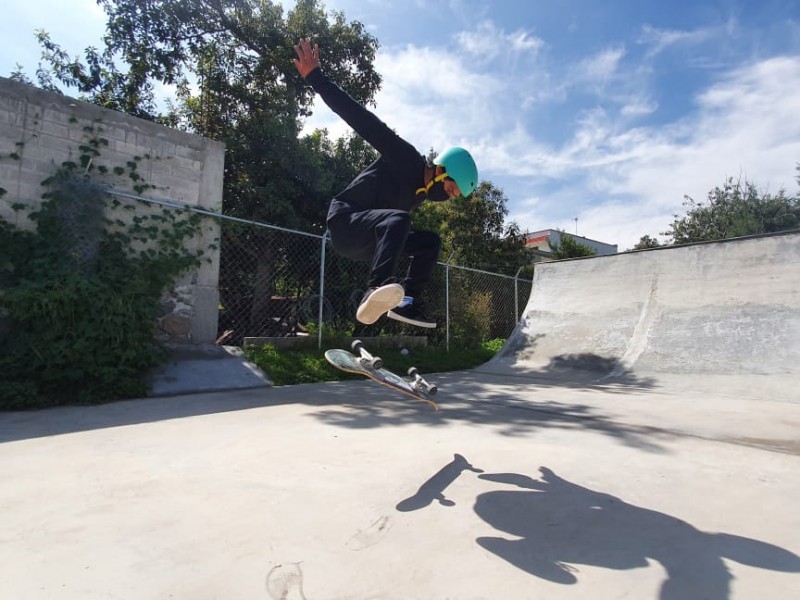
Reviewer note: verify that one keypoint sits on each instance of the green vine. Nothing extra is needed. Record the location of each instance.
(79, 296)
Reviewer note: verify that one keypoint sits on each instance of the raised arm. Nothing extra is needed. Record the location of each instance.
(374, 131)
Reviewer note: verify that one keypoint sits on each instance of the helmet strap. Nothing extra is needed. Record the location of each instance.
(434, 180)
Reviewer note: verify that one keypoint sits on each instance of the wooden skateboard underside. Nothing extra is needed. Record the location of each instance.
(345, 361)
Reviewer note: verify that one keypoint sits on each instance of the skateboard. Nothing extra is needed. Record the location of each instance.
(362, 362)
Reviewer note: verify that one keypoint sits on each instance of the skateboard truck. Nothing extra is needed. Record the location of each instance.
(419, 383)
(365, 358)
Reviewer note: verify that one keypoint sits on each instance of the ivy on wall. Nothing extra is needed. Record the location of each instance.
(79, 295)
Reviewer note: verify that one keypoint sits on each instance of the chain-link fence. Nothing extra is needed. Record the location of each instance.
(275, 282)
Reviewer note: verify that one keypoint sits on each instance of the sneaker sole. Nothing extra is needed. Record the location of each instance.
(382, 300)
(396, 317)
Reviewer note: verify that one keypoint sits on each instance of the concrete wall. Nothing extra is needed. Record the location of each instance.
(39, 130)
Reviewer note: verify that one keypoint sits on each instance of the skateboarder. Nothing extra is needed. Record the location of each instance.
(370, 220)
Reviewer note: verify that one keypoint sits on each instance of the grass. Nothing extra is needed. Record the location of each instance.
(289, 367)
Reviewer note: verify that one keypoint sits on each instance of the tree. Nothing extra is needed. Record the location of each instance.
(473, 230)
(646, 242)
(231, 63)
(570, 247)
(474, 234)
(733, 210)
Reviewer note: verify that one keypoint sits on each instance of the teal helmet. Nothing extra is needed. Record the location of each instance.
(460, 168)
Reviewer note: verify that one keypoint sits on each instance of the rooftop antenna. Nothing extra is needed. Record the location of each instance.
(576, 225)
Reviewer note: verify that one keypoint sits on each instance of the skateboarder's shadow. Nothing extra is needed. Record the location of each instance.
(556, 523)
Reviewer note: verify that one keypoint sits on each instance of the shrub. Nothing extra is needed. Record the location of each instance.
(79, 296)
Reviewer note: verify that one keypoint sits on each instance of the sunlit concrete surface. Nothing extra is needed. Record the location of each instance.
(562, 469)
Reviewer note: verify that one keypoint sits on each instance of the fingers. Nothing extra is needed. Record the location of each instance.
(300, 48)
(307, 57)
(305, 51)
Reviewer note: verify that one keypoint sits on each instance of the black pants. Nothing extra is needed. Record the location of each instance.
(381, 237)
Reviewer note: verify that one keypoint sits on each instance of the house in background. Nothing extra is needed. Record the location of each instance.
(542, 242)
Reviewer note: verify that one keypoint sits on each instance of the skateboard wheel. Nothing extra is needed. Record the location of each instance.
(412, 372)
(357, 345)
(432, 389)
(377, 363)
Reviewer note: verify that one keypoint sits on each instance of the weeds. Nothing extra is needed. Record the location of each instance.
(289, 367)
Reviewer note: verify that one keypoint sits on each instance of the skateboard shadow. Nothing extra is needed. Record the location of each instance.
(433, 488)
(554, 524)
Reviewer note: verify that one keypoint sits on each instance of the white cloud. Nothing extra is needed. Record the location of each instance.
(746, 123)
(745, 126)
(661, 39)
(425, 74)
(621, 179)
(606, 76)
(625, 183)
(487, 43)
(432, 98)
(638, 107)
(601, 67)
(480, 43)
(429, 96)
(515, 153)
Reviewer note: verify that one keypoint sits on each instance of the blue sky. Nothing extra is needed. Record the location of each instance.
(607, 112)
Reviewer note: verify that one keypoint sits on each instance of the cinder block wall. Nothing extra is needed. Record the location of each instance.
(42, 129)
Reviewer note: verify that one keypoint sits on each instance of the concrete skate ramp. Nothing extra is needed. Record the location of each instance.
(721, 317)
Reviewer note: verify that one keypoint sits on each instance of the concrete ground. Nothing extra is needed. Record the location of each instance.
(515, 488)
(638, 437)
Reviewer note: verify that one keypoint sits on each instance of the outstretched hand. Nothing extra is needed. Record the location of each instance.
(307, 57)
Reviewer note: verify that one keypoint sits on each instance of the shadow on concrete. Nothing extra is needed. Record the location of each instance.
(585, 370)
(479, 396)
(359, 402)
(552, 524)
(581, 371)
(433, 488)
(60, 420)
(465, 397)
(499, 402)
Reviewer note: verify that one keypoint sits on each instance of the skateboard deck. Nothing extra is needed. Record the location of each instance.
(345, 361)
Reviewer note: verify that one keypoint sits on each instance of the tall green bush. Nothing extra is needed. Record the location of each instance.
(472, 324)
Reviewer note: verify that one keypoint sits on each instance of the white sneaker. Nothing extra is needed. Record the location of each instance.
(378, 301)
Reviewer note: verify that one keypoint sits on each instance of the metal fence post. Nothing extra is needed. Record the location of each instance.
(321, 290)
(516, 295)
(447, 300)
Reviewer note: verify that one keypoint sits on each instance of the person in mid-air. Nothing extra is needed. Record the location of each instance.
(370, 220)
